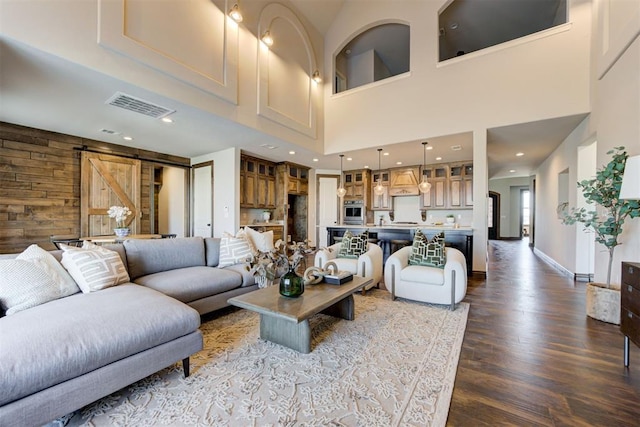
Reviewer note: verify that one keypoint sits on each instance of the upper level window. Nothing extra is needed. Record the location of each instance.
(375, 54)
(470, 25)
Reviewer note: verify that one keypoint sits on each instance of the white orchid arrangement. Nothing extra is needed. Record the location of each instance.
(120, 214)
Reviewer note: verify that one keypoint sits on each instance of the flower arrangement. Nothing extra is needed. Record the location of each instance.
(266, 266)
(120, 214)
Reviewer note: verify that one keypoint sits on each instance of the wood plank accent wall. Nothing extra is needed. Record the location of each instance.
(40, 184)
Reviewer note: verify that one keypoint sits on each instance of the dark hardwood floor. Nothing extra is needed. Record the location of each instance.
(531, 357)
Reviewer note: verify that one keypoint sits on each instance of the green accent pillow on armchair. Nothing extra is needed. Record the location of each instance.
(353, 245)
(426, 252)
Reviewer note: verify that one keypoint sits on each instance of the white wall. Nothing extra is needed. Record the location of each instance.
(618, 110)
(552, 237)
(545, 77)
(172, 202)
(69, 29)
(615, 73)
(509, 208)
(226, 189)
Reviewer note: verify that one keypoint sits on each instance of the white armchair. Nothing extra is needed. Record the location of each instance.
(369, 264)
(446, 285)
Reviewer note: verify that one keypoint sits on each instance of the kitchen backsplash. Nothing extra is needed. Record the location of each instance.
(406, 209)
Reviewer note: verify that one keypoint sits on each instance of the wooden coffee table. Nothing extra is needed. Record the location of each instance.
(286, 320)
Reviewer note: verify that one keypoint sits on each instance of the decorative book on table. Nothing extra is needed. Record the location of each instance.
(338, 278)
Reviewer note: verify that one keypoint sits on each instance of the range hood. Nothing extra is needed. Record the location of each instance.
(404, 182)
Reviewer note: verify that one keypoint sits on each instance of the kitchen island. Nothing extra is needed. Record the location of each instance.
(460, 238)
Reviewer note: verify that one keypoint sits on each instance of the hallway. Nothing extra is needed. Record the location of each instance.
(531, 357)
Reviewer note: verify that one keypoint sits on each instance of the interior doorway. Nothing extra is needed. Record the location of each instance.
(525, 213)
(327, 207)
(493, 216)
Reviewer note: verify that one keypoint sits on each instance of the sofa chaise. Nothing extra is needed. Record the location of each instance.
(64, 354)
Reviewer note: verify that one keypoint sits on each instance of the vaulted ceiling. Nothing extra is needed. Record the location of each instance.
(43, 91)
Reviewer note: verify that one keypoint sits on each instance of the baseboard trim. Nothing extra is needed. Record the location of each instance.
(553, 263)
(583, 277)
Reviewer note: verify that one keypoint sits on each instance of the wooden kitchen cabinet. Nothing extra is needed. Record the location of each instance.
(298, 179)
(381, 202)
(257, 183)
(461, 185)
(357, 184)
(438, 195)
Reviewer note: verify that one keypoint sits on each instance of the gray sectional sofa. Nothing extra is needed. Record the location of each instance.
(64, 354)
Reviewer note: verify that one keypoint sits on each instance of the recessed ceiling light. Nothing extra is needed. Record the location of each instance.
(438, 158)
(398, 163)
(512, 170)
(456, 147)
(429, 147)
(315, 160)
(292, 152)
(366, 166)
(385, 154)
(269, 146)
(349, 159)
(127, 138)
(167, 119)
(520, 154)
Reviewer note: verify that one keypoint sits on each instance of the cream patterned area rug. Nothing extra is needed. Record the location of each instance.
(394, 365)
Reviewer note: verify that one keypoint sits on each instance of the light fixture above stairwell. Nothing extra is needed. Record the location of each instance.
(234, 13)
(341, 190)
(379, 188)
(425, 185)
(266, 38)
(316, 77)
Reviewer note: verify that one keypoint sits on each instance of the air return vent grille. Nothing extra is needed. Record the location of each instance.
(138, 105)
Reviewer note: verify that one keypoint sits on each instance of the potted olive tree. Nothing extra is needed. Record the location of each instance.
(603, 300)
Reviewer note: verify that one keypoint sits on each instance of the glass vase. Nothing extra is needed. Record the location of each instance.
(291, 285)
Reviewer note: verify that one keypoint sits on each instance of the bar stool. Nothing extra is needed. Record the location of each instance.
(396, 244)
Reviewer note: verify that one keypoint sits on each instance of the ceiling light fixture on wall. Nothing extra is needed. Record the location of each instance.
(379, 188)
(316, 77)
(267, 39)
(425, 185)
(234, 13)
(341, 190)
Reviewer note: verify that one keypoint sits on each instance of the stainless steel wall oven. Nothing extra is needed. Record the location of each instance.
(354, 212)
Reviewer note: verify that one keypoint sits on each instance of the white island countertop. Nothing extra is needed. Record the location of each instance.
(407, 227)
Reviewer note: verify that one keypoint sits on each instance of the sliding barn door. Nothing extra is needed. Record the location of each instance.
(108, 181)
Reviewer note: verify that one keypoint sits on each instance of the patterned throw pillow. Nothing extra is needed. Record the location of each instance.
(426, 252)
(94, 267)
(234, 250)
(353, 246)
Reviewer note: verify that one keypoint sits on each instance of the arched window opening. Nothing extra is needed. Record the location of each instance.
(375, 54)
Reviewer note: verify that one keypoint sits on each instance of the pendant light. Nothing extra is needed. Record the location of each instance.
(379, 188)
(341, 190)
(424, 186)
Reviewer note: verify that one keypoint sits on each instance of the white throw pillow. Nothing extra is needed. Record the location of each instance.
(54, 269)
(26, 283)
(234, 250)
(263, 242)
(94, 267)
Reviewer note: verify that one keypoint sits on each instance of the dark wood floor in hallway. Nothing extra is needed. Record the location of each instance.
(531, 357)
